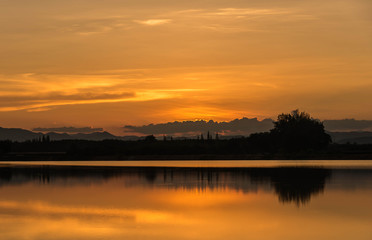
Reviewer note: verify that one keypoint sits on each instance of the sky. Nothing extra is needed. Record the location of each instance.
(117, 62)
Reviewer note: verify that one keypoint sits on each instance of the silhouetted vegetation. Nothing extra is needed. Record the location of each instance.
(297, 131)
(257, 146)
(5, 147)
(294, 136)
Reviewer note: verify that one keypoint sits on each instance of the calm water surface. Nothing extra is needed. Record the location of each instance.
(186, 200)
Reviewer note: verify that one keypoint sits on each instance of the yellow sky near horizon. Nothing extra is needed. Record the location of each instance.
(112, 63)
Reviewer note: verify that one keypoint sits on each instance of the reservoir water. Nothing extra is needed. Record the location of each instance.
(186, 200)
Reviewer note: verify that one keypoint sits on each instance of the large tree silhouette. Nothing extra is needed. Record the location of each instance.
(297, 131)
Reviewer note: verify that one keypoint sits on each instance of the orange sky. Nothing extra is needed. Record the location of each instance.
(111, 63)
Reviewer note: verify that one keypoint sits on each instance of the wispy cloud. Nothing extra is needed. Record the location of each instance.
(46, 101)
(234, 12)
(227, 29)
(153, 22)
(91, 26)
(250, 11)
(51, 96)
(236, 20)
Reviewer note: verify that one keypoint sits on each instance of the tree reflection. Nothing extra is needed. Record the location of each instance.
(298, 185)
(291, 185)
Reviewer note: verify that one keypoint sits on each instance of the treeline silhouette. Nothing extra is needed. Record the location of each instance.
(295, 135)
(257, 146)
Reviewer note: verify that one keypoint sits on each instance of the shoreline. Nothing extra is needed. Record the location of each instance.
(211, 157)
(193, 164)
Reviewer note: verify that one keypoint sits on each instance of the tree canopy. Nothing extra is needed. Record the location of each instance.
(297, 131)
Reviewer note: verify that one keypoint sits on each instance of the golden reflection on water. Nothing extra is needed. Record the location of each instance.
(128, 207)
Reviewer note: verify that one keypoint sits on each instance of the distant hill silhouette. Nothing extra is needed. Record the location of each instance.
(351, 137)
(68, 130)
(348, 125)
(20, 135)
(82, 136)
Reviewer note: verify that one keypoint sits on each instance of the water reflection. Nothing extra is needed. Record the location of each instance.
(62, 202)
(290, 184)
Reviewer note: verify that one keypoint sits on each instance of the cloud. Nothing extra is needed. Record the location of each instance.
(244, 126)
(52, 96)
(153, 22)
(91, 26)
(41, 109)
(250, 11)
(109, 94)
(237, 20)
(43, 101)
(43, 92)
(227, 29)
(235, 12)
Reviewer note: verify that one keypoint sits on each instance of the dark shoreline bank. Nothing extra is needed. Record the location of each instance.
(51, 157)
(233, 149)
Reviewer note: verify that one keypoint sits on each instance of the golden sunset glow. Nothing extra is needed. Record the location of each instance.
(111, 63)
